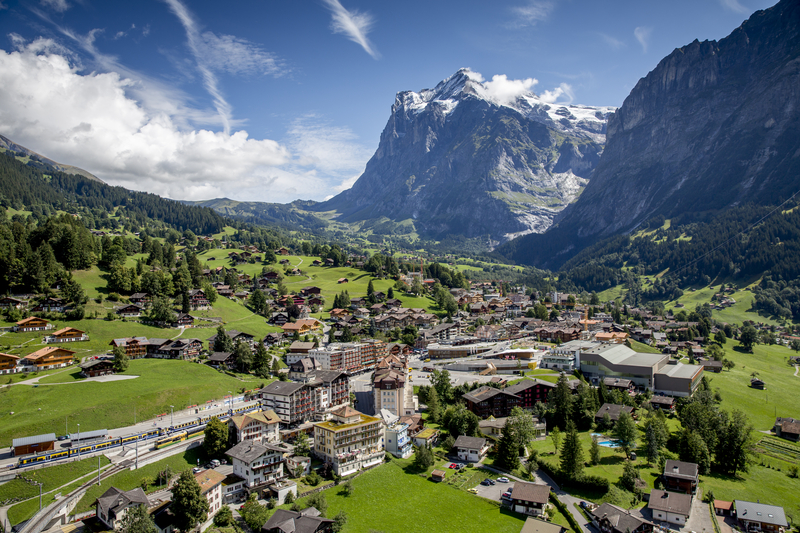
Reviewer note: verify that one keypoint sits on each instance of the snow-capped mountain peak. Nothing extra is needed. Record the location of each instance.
(514, 94)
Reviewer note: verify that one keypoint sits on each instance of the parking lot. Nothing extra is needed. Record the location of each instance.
(493, 492)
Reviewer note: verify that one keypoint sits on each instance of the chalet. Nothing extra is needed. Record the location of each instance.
(8, 363)
(342, 280)
(135, 347)
(114, 503)
(222, 359)
(471, 449)
(279, 318)
(672, 507)
(97, 367)
(760, 517)
(308, 520)
(787, 428)
(530, 498)
(282, 251)
(179, 349)
(50, 357)
(490, 401)
(531, 391)
(308, 291)
(33, 323)
(198, 300)
(609, 518)
(665, 403)
(613, 411)
(273, 338)
(183, 320)
(11, 303)
(316, 262)
(679, 476)
(624, 385)
(224, 291)
(51, 304)
(140, 298)
(236, 336)
(757, 383)
(130, 311)
(66, 335)
(712, 366)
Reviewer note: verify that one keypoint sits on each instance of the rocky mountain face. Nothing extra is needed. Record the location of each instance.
(714, 125)
(459, 159)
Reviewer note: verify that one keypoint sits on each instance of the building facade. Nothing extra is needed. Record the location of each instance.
(349, 441)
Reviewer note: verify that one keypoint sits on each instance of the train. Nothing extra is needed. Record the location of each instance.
(165, 436)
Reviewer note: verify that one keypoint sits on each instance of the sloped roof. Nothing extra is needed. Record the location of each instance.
(671, 502)
(531, 492)
(114, 500)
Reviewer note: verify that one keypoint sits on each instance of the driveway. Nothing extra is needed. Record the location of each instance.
(493, 492)
(699, 520)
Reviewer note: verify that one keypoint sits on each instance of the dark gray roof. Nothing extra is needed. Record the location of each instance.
(530, 492)
(528, 383)
(671, 502)
(475, 443)
(114, 500)
(248, 451)
(36, 439)
(620, 519)
(285, 521)
(681, 470)
(87, 435)
(760, 512)
(219, 357)
(282, 387)
(485, 393)
(613, 410)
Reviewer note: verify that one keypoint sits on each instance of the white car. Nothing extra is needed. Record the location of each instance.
(502, 479)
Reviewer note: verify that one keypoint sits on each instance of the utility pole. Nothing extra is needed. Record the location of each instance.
(79, 441)
(98, 470)
(137, 454)
(171, 422)
(40, 495)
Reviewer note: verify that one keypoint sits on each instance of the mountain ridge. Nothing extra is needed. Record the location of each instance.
(40, 161)
(714, 125)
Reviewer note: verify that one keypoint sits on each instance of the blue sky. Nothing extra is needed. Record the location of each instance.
(275, 100)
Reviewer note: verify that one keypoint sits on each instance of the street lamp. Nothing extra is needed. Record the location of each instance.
(171, 423)
(230, 399)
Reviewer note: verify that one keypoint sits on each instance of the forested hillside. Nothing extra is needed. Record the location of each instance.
(22, 186)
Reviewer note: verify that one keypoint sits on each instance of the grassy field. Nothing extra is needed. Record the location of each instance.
(130, 479)
(404, 496)
(762, 406)
(642, 347)
(735, 314)
(51, 478)
(95, 405)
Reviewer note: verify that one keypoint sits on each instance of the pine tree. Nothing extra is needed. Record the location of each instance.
(562, 401)
(555, 435)
(261, 361)
(625, 432)
(594, 450)
(629, 477)
(572, 453)
(508, 447)
(189, 506)
(222, 342)
(243, 356)
(370, 288)
(434, 406)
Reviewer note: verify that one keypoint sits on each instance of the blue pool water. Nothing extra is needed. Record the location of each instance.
(609, 444)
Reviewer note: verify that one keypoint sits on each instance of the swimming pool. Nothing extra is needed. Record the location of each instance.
(609, 444)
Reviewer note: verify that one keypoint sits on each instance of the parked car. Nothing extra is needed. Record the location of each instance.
(473, 490)
(503, 479)
(63, 437)
(486, 482)
(489, 481)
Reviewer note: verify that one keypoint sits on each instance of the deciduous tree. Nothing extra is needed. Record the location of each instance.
(215, 438)
(137, 520)
(625, 432)
(189, 506)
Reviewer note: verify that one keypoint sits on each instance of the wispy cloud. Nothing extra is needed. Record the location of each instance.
(195, 42)
(239, 56)
(531, 13)
(562, 94)
(57, 5)
(3, 6)
(642, 34)
(613, 42)
(353, 24)
(735, 6)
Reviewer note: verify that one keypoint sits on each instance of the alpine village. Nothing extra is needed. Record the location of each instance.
(628, 365)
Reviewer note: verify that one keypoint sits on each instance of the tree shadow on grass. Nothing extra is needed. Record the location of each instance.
(612, 460)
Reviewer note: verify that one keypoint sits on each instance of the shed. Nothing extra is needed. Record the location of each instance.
(35, 444)
(438, 475)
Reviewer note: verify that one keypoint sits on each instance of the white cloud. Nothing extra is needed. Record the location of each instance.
(613, 42)
(352, 24)
(238, 56)
(89, 120)
(642, 35)
(559, 93)
(532, 12)
(506, 91)
(735, 6)
(57, 5)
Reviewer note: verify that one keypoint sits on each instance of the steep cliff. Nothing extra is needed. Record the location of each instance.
(714, 125)
(459, 159)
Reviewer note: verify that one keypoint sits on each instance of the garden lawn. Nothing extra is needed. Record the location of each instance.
(761, 406)
(96, 405)
(767, 485)
(389, 498)
(130, 479)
